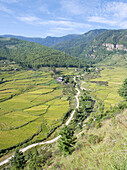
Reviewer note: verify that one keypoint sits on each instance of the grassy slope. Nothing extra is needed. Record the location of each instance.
(108, 151)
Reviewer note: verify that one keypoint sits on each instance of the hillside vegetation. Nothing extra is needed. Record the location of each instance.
(114, 59)
(33, 55)
(76, 45)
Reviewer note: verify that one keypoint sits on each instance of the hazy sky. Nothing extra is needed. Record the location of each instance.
(41, 18)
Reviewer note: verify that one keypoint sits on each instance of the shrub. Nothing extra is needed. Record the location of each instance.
(98, 124)
(94, 139)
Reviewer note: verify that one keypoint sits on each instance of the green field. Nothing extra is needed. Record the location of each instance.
(30, 102)
(108, 95)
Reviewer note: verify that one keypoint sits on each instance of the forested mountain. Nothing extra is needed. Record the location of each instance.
(107, 45)
(112, 37)
(76, 45)
(94, 46)
(33, 55)
(48, 41)
(97, 45)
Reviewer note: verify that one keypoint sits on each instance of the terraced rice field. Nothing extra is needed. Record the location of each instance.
(108, 94)
(30, 102)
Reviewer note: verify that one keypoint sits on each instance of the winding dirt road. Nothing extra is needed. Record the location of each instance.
(50, 141)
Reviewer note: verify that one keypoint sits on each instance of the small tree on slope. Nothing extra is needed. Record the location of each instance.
(18, 161)
(67, 141)
(123, 90)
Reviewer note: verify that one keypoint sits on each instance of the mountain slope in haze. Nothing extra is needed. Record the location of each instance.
(33, 55)
(48, 41)
(76, 45)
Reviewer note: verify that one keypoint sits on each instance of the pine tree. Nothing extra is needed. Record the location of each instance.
(18, 161)
(67, 141)
(28, 155)
(35, 161)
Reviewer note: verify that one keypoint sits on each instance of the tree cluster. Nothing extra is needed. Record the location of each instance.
(67, 141)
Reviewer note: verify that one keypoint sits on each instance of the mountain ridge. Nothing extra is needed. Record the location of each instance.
(48, 41)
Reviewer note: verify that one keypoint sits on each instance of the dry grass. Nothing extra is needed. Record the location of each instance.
(109, 153)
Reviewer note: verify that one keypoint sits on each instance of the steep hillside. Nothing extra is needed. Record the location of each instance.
(76, 45)
(107, 44)
(48, 41)
(112, 37)
(33, 55)
(102, 148)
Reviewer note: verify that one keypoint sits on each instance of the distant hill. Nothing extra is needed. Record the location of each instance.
(48, 41)
(33, 55)
(76, 45)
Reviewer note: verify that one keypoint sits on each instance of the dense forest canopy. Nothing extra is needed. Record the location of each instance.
(34, 55)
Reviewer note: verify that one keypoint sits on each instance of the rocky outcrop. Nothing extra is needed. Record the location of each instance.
(110, 47)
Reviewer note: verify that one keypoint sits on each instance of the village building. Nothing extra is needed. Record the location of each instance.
(60, 79)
